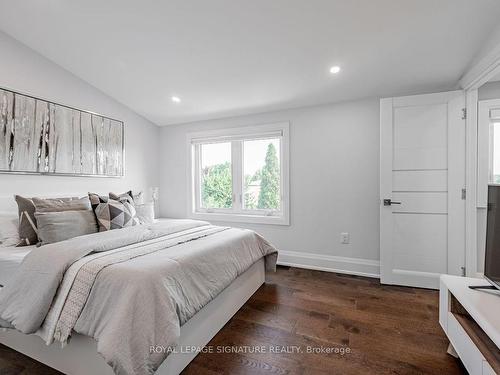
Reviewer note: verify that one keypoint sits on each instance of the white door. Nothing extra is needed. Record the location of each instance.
(422, 174)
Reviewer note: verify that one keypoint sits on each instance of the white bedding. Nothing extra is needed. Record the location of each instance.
(130, 288)
(11, 258)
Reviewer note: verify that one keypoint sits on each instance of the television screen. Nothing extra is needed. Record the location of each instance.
(492, 254)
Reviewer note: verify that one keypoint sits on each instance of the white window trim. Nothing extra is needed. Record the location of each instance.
(252, 216)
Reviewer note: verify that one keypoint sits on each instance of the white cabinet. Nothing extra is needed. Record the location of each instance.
(465, 348)
(487, 369)
(471, 320)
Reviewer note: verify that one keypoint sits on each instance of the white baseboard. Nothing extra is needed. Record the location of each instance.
(330, 263)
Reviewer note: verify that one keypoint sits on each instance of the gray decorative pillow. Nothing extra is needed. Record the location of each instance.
(60, 226)
(63, 204)
(112, 214)
(27, 221)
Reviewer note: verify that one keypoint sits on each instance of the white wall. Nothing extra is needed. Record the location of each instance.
(24, 70)
(334, 182)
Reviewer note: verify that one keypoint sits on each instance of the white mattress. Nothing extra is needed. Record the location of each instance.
(10, 259)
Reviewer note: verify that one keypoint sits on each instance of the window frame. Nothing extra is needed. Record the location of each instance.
(488, 113)
(491, 150)
(237, 136)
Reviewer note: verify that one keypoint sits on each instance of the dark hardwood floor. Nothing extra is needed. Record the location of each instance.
(381, 330)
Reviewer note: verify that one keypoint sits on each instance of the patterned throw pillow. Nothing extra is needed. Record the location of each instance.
(111, 213)
(127, 196)
(27, 222)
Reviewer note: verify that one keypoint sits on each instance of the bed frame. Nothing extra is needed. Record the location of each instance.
(80, 356)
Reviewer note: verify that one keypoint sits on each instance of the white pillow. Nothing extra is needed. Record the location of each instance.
(9, 230)
(138, 198)
(145, 213)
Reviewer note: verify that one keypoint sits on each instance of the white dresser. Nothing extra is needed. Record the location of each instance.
(471, 320)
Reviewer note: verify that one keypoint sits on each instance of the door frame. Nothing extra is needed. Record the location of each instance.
(456, 205)
(475, 77)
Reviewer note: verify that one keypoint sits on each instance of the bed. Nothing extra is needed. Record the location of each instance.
(193, 250)
(11, 258)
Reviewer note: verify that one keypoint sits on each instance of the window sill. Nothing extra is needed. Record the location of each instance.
(240, 218)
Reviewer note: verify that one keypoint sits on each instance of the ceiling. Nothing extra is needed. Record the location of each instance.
(232, 57)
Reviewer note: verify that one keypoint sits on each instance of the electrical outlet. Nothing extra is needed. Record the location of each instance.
(344, 238)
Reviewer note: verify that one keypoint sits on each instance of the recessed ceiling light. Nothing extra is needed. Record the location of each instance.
(335, 69)
(176, 99)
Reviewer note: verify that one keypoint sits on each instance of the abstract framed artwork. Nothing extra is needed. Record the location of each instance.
(41, 137)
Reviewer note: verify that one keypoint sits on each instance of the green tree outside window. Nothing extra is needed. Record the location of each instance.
(216, 188)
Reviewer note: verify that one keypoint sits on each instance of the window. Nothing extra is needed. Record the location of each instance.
(262, 174)
(488, 148)
(216, 178)
(494, 175)
(240, 174)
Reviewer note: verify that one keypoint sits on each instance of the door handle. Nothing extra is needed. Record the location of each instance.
(389, 202)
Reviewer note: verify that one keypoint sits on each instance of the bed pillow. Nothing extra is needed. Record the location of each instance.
(62, 204)
(63, 225)
(9, 230)
(138, 198)
(112, 214)
(145, 213)
(27, 221)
